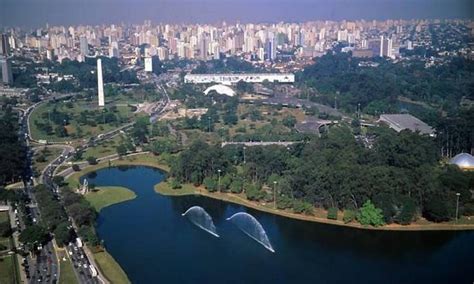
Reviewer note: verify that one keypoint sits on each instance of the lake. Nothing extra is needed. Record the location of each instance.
(154, 243)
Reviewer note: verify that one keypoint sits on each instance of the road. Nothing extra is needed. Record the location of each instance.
(45, 269)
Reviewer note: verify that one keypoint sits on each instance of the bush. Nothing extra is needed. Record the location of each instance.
(174, 184)
(407, 212)
(254, 192)
(302, 207)
(5, 230)
(332, 213)
(349, 216)
(284, 202)
(92, 160)
(436, 209)
(236, 186)
(370, 215)
(210, 184)
(76, 168)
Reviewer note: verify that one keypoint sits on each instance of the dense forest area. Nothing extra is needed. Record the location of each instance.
(401, 175)
(437, 91)
(377, 89)
(12, 151)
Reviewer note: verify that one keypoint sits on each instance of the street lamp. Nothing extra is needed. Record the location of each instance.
(274, 194)
(244, 155)
(457, 205)
(219, 183)
(209, 121)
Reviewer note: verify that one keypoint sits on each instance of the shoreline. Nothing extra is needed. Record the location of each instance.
(163, 189)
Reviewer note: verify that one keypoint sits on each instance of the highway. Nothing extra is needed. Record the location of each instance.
(44, 269)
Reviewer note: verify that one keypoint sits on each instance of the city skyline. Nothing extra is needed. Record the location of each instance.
(29, 14)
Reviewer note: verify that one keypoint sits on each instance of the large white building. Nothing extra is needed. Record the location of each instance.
(234, 78)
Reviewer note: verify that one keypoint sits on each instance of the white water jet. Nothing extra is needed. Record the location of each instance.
(250, 226)
(199, 217)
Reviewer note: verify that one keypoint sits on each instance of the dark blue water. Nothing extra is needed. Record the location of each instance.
(154, 243)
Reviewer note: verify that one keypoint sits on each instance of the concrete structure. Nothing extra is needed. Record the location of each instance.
(4, 45)
(7, 75)
(148, 64)
(464, 161)
(234, 78)
(399, 122)
(221, 90)
(100, 84)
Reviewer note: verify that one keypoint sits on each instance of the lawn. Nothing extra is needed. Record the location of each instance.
(49, 153)
(67, 275)
(7, 270)
(110, 268)
(41, 114)
(105, 148)
(109, 195)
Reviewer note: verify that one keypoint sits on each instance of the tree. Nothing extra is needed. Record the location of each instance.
(436, 209)
(370, 215)
(210, 184)
(76, 167)
(58, 180)
(92, 160)
(34, 234)
(62, 233)
(60, 131)
(5, 230)
(121, 150)
(289, 121)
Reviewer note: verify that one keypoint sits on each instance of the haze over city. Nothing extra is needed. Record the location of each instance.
(32, 13)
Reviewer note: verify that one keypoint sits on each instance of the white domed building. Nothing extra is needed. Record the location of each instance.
(221, 90)
(464, 161)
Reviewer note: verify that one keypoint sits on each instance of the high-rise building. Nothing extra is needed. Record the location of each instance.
(203, 47)
(113, 50)
(100, 84)
(270, 49)
(148, 64)
(4, 45)
(84, 46)
(7, 76)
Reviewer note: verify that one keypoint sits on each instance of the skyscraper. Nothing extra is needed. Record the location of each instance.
(84, 46)
(4, 45)
(100, 83)
(7, 76)
(148, 64)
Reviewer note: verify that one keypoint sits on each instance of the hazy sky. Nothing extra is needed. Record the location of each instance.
(36, 13)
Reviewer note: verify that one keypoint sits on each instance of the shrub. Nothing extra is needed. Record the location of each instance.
(236, 186)
(349, 216)
(210, 184)
(370, 215)
(174, 184)
(302, 207)
(76, 168)
(332, 213)
(92, 160)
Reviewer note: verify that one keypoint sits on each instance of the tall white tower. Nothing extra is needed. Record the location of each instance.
(100, 83)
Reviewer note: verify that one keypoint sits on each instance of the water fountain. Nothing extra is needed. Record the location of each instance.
(250, 226)
(199, 217)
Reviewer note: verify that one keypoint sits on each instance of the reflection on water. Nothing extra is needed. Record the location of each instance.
(151, 229)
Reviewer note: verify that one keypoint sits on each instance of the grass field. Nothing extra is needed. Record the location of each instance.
(40, 114)
(145, 159)
(109, 195)
(110, 268)
(105, 148)
(50, 153)
(7, 270)
(67, 275)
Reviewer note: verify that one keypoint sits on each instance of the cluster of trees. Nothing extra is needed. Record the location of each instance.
(400, 175)
(83, 214)
(377, 89)
(12, 151)
(53, 216)
(85, 74)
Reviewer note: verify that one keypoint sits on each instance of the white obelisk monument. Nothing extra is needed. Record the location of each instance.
(100, 83)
